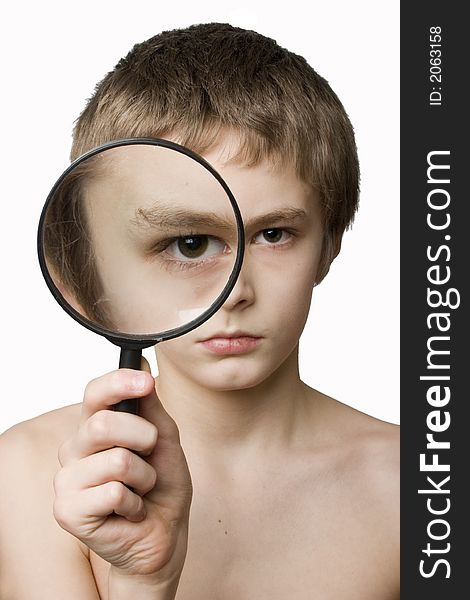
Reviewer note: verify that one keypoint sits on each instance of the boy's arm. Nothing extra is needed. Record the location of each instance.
(37, 558)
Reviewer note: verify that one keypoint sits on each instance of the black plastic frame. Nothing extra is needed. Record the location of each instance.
(131, 341)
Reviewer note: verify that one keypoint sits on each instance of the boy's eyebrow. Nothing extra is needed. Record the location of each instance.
(170, 217)
(282, 216)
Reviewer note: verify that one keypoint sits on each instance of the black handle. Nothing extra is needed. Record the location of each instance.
(130, 359)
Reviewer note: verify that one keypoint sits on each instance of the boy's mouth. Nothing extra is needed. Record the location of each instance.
(231, 343)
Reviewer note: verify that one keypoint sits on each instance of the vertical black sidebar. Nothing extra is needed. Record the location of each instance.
(435, 257)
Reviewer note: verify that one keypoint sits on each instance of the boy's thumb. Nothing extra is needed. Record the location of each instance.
(144, 365)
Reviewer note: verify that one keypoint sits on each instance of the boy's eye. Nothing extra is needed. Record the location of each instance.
(192, 247)
(273, 235)
(195, 246)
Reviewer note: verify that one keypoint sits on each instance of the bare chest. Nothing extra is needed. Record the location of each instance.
(287, 544)
(284, 542)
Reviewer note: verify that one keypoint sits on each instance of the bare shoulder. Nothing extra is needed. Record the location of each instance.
(366, 448)
(32, 445)
(46, 430)
(374, 459)
(368, 441)
(36, 555)
(359, 458)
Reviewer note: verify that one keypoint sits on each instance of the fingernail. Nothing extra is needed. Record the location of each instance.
(139, 381)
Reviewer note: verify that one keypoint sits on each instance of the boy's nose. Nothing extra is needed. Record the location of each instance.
(242, 294)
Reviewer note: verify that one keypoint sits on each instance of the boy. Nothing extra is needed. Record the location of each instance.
(236, 481)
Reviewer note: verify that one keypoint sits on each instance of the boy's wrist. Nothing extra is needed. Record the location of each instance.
(122, 586)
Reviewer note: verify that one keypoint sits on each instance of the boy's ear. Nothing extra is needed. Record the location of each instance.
(336, 247)
(331, 249)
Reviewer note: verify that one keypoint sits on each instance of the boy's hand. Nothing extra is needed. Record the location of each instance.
(124, 487)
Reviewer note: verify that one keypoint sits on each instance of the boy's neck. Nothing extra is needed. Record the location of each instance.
(232, 423)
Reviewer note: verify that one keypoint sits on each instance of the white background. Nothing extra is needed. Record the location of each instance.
(54, 53)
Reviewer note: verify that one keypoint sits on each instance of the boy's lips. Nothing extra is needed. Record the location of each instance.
(237, 342)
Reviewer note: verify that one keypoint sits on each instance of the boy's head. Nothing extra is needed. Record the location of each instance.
(192, 85)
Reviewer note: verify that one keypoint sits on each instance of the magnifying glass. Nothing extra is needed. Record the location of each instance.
(140, 240)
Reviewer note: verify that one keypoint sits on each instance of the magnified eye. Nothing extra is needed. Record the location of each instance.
(195, 246)
(273, 235)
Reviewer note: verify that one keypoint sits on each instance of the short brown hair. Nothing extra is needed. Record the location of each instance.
(191, 84)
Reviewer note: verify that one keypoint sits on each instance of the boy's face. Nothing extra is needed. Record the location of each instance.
(260, 323)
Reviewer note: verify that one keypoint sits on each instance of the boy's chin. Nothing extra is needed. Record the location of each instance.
(228, 379)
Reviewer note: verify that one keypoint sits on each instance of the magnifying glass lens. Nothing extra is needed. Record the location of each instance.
(140, 239)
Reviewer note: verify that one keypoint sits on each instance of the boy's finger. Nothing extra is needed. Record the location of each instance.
(152, 409)
(107, 429)
(115, 464)
(144, 365)
(107, 390)
(75, 513)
